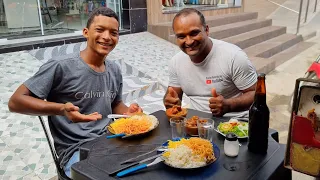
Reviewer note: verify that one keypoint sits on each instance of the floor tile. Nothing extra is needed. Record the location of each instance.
(31, 146)
(47, 172)
(13, 122)
(31, 176)
(3, 146)
(11, 166)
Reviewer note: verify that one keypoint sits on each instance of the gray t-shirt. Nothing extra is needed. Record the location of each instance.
(69, 79)
(226, 68)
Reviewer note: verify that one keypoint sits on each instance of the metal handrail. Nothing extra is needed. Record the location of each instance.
(283, 6)
(299, 18)
(307, 10)
(300, 10)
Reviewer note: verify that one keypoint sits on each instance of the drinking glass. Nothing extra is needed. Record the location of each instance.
(178, 127)
(205, 128)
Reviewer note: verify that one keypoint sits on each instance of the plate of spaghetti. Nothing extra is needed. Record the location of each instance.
(191, 153)
(134, 125)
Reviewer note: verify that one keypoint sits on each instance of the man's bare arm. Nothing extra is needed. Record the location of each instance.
(23, 101)
(242, 102)
(219, 105)
(119, 108)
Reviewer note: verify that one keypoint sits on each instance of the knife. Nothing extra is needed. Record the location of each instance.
(163, 146)
(129, 135)
(136, 163)
(137, 168)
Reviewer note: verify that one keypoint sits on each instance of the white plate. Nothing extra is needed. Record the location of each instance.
(216, 152)
(155, 125)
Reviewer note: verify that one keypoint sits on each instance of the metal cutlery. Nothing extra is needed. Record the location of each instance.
(136, 163)
(141, 155)
(116, 135)
(163, 147)
(113, 116)
(137, 168)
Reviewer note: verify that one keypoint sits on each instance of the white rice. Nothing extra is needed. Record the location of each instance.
(154, 121)
(182, 157)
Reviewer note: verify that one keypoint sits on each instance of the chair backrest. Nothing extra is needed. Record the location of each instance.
(60, 171)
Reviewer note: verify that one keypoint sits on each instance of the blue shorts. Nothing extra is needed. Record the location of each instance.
(74, 158)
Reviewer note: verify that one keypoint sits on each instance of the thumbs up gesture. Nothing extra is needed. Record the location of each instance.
(171, 98)
(217, 103)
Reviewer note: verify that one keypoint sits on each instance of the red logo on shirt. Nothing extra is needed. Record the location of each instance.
(208, 81)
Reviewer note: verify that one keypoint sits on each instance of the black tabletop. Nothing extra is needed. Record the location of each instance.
(103, 156)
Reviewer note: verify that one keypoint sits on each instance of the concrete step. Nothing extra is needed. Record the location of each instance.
(164, 30)
(262, 65)
(214, 21)
(251, 38)
(225, 31)
(290, 52)
(266, 65)
(273, 46)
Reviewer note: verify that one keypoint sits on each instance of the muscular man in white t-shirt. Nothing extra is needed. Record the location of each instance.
(217, 76)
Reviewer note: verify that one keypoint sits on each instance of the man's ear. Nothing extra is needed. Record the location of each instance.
(207, 30)
(85, 32)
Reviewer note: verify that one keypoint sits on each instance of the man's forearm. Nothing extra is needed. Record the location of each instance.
(32, 106)
(120, 108)
(240, 103)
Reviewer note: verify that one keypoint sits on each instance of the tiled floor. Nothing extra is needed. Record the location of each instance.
(23, 147)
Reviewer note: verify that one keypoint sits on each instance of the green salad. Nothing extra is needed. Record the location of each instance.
(234, 126)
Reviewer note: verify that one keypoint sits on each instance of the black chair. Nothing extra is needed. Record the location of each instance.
(60, 171)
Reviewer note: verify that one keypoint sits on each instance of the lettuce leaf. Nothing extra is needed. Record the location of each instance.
(240, 130)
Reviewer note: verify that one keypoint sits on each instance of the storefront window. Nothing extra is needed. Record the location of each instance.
(17, 18)
(20, 18)
(176, 5)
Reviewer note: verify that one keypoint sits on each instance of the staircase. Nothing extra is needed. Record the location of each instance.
(267, 46)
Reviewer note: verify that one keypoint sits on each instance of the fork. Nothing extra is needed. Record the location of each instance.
(137, 157)
(163, 147)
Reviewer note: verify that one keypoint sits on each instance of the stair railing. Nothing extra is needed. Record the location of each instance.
(300, 11)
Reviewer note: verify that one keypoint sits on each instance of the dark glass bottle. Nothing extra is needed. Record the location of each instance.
(259, 119)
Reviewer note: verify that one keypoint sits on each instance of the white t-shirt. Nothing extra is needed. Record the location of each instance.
(226, 68)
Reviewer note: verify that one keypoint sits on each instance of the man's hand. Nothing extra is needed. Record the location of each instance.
(172, 98)
(133, 108)
(72, 113)
(217, 104)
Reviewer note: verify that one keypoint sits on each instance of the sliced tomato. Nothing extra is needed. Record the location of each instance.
(226, 126)
(233, 123)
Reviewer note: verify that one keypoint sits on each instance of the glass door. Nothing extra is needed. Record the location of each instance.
(19, 19)
(116, 6)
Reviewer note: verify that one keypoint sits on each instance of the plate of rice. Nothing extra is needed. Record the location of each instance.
(190, 153)
(134, 125)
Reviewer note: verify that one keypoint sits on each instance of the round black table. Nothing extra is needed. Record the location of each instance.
(101, 156)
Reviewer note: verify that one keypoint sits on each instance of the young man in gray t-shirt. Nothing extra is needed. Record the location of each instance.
(217, 76)
(80, 90)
